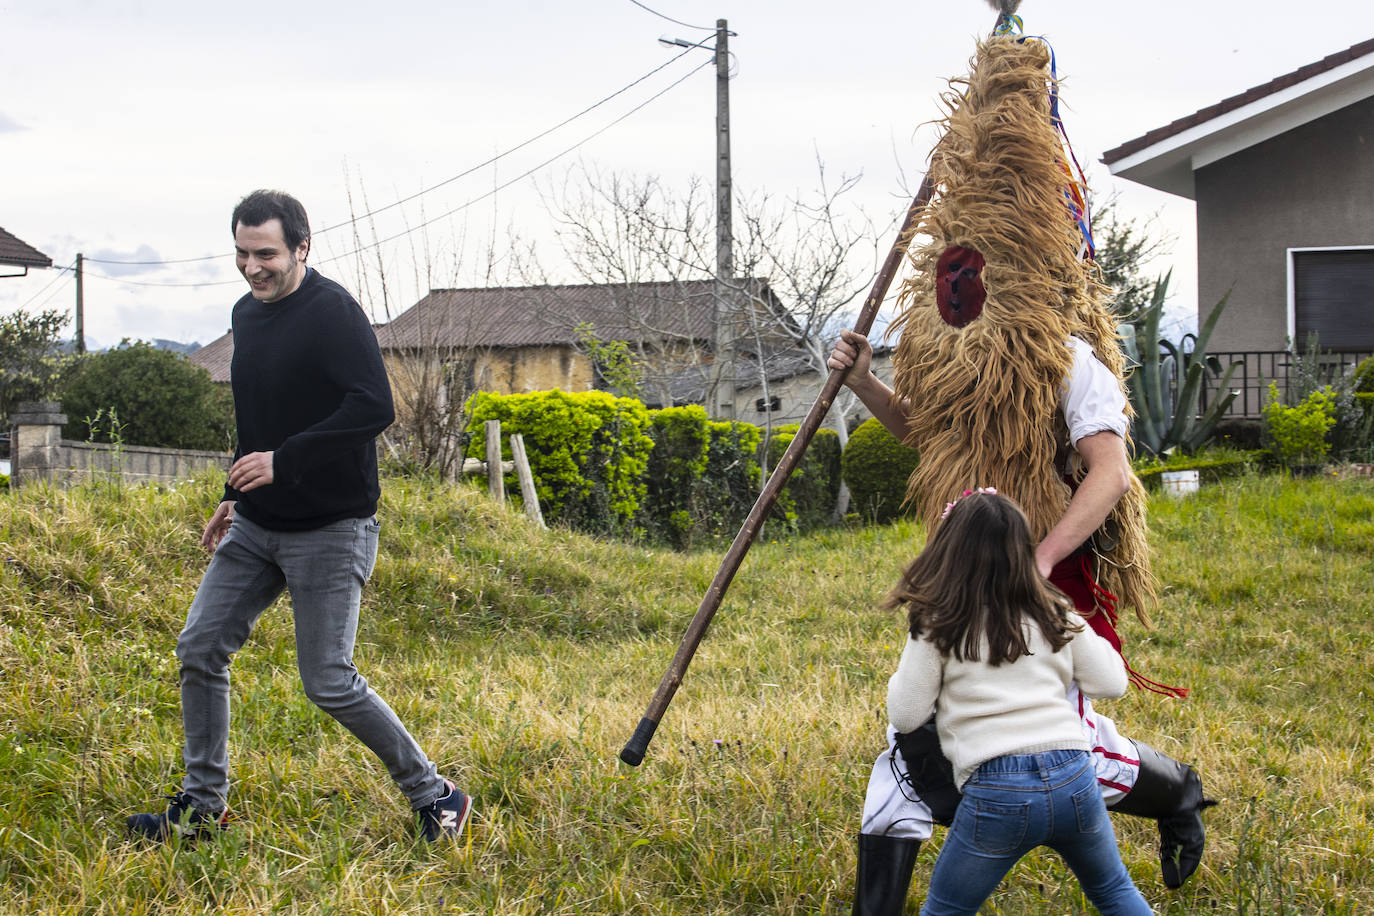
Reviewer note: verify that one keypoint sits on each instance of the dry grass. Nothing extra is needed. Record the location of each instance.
(523, 659)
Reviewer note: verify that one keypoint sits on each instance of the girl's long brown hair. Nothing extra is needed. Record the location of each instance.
(977, 580)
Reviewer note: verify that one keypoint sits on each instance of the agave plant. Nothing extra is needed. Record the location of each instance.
(1167, 418)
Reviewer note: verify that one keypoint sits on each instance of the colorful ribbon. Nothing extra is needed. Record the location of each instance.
(1075, 188)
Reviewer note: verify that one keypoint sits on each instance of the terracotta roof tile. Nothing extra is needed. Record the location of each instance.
(549, 315)
(19, 253)
(214, 357)
(1278, 84)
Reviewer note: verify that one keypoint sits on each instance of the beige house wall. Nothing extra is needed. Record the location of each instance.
(799, 392)
(513, 370)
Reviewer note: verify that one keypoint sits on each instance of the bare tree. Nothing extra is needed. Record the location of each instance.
(818, 255)
(646, 251)
(436, 351)
(800, 264)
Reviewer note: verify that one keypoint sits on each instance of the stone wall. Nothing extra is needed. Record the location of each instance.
(39, 453)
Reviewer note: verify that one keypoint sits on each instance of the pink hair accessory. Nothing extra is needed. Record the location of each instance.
(949, 506)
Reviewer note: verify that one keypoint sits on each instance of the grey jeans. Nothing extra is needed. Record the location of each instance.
(324, 570)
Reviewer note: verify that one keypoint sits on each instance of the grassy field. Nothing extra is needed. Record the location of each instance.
(523, 659)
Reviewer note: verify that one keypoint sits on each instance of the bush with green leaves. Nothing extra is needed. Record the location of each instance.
(1313, 369)
(731, 482)
(32, 364)
(676, 464)
(588, 452)
(158, 398)
(808, 500)
(1362, 379)
(1298, 433)
(876, 467)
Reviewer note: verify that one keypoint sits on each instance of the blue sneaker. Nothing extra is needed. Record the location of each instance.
(181, 818)
(446, 816)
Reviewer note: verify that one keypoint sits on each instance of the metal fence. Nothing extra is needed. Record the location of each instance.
(1257, 368)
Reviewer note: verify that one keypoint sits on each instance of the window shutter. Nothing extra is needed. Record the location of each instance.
(1333, 293)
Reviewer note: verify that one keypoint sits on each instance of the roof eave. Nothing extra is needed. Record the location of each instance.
(1168, 165)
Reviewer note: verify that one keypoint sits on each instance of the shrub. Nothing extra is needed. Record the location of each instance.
(1362, 381)
(1313, 370)
(808, 500)
(588, 451)
(159, 397)
(1298, 433)
(876, 466)
(730, 484)
(32, 364)
(675, 468)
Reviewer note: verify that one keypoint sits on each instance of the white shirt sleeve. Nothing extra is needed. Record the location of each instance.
(1093, 401)
(1097, 667)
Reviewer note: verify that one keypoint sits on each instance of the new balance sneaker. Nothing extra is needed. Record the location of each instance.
(180, 819)
(446, 816)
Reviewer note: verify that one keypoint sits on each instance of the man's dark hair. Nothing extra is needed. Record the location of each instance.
(261, 206)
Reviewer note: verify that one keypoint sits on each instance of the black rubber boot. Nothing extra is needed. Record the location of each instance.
(884, 874)
(1171, 793)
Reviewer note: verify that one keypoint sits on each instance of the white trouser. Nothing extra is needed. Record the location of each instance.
(891, 807)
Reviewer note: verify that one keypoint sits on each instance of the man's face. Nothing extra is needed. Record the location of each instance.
(272, 269)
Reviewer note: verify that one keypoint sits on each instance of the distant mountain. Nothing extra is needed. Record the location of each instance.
(158, 343)
(185, 349)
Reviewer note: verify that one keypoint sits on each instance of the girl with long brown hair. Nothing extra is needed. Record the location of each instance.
(992, 650)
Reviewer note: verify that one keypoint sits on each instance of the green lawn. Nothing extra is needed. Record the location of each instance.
(522, 660)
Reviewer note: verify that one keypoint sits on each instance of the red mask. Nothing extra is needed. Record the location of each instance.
(959, 292)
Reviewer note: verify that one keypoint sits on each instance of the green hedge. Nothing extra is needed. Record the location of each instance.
(730, 485)
(1213, 464)
(604, 464)
(876, 466)
(703, 477)
(675, 468)
(588, 452)
(808, 500)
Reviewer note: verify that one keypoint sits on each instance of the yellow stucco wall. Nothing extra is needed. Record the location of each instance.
(518, 369)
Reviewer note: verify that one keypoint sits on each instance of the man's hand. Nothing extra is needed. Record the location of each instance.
(251, 471)
(852, 351)
(218, 526)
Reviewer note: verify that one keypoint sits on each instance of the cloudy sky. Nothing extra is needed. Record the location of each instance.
(129, 130)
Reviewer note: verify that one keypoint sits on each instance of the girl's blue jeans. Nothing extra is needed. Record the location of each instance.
(1013, 804)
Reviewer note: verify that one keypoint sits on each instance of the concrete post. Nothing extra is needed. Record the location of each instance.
(36, 446)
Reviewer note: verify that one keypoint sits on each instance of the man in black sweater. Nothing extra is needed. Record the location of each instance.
(299, 513)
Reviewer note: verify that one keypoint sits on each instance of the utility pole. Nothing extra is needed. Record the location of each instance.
(80, 308)
(723, 375)
(720, 390)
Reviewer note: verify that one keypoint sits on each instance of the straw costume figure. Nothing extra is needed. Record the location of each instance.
(1008, 374)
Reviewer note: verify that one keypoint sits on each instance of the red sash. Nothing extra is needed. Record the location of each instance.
(1073, 576)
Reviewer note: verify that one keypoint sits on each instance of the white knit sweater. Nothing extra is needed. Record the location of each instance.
(982, 711)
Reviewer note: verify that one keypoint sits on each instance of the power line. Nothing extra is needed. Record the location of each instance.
(520, 177)
(460, 207)
(91, 273)
(463, 174)
(60, 272)
(501, 155)
(685, 25)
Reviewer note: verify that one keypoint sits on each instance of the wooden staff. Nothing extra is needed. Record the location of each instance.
(634, 750)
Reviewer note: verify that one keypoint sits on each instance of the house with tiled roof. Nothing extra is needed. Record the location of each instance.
(534, 338)
(15, 252)
(215, 357)
(1283, 177)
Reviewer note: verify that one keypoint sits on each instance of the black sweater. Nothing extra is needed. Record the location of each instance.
(310, 386)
